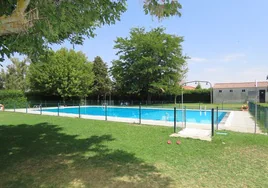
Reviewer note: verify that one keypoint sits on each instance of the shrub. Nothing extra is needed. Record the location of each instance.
(9, 98)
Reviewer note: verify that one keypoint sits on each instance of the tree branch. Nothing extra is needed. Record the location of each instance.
(17, 21)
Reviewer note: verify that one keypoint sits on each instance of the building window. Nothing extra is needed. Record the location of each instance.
(231, 90)
(220, 91)
(243, 90)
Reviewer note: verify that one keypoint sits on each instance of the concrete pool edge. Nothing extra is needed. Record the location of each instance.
(130, 107)
(95, 111)
(117, 119)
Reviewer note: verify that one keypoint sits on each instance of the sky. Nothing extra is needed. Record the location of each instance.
(226, 40)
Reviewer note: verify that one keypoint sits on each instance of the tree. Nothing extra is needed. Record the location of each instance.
(2, 76)
(198, 86)
(64, 73)
(30, 26)
(149, 62)
(14, 78)
(102, 82)
(175, 89)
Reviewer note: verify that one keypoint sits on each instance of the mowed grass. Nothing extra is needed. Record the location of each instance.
(46, 151)
(264, 104)
(202, 105)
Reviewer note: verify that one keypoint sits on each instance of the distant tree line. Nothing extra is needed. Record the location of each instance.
(150, 66)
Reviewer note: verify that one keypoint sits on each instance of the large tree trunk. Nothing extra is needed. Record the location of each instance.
(18, 21)
(175, 99)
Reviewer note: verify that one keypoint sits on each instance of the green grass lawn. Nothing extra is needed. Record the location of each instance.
(264, 104)
(47, 151)
(203, 105)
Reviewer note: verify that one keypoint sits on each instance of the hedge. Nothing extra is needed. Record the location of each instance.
(9, 98)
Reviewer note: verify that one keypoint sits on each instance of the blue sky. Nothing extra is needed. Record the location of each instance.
(226, 40)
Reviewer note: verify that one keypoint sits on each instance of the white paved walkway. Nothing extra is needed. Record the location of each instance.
(194, 133)
(240, 121)
(237, 121)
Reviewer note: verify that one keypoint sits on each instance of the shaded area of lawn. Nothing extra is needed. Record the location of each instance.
(41, 155)
(47, 151)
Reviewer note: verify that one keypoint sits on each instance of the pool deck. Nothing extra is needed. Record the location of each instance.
(194, 133)
(238, 121)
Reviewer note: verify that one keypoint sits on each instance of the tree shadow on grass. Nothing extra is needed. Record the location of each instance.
(42, 156)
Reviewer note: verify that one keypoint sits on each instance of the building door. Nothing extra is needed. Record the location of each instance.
(262, 96)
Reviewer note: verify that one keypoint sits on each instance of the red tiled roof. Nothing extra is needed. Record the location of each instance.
(240, 85)
(188, 87)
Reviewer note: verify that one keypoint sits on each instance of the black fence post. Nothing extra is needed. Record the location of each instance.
(140, 113)
(266, 119)
(105, 111)
(26, 107)
(58, 109)
(185, 116)
(79, 110)
(175, 119)
(217, 117)
(256, 117)
(41, 109)
(212, 122)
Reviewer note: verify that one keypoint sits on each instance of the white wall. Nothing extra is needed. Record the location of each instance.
(237, 96)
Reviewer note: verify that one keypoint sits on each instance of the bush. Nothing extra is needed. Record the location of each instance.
(195, 96)
(9, 98)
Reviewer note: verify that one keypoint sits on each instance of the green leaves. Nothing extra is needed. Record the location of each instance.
(64, 73)
(56, 22)
(13, 78)
(102, 83)
(149, 62)
(74, 20)
(9, 98)
(162, 9)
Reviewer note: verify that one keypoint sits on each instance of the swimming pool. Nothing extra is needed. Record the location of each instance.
(192, 116)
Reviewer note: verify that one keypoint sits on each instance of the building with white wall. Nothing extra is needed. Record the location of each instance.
(240, 92)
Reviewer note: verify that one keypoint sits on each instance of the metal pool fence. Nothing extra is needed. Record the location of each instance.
(260, 113)
(176, 117)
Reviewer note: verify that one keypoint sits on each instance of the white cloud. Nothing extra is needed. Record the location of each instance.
(259, 73)
(210, 70)
(228, 74)
(197, 59)
(233, 57)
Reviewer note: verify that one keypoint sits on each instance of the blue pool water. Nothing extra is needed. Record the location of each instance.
(192, 116)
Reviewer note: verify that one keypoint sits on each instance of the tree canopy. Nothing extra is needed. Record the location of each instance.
(198, 86)
(13, 78)
(2, 77)
(64, 73)
(149, 62)
(30, 26)
(102, 83)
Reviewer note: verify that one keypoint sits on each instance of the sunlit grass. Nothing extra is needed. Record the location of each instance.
(46, 151)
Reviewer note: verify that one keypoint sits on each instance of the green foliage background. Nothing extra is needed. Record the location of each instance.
(9, 98)
(149, 62)
(63, 73)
